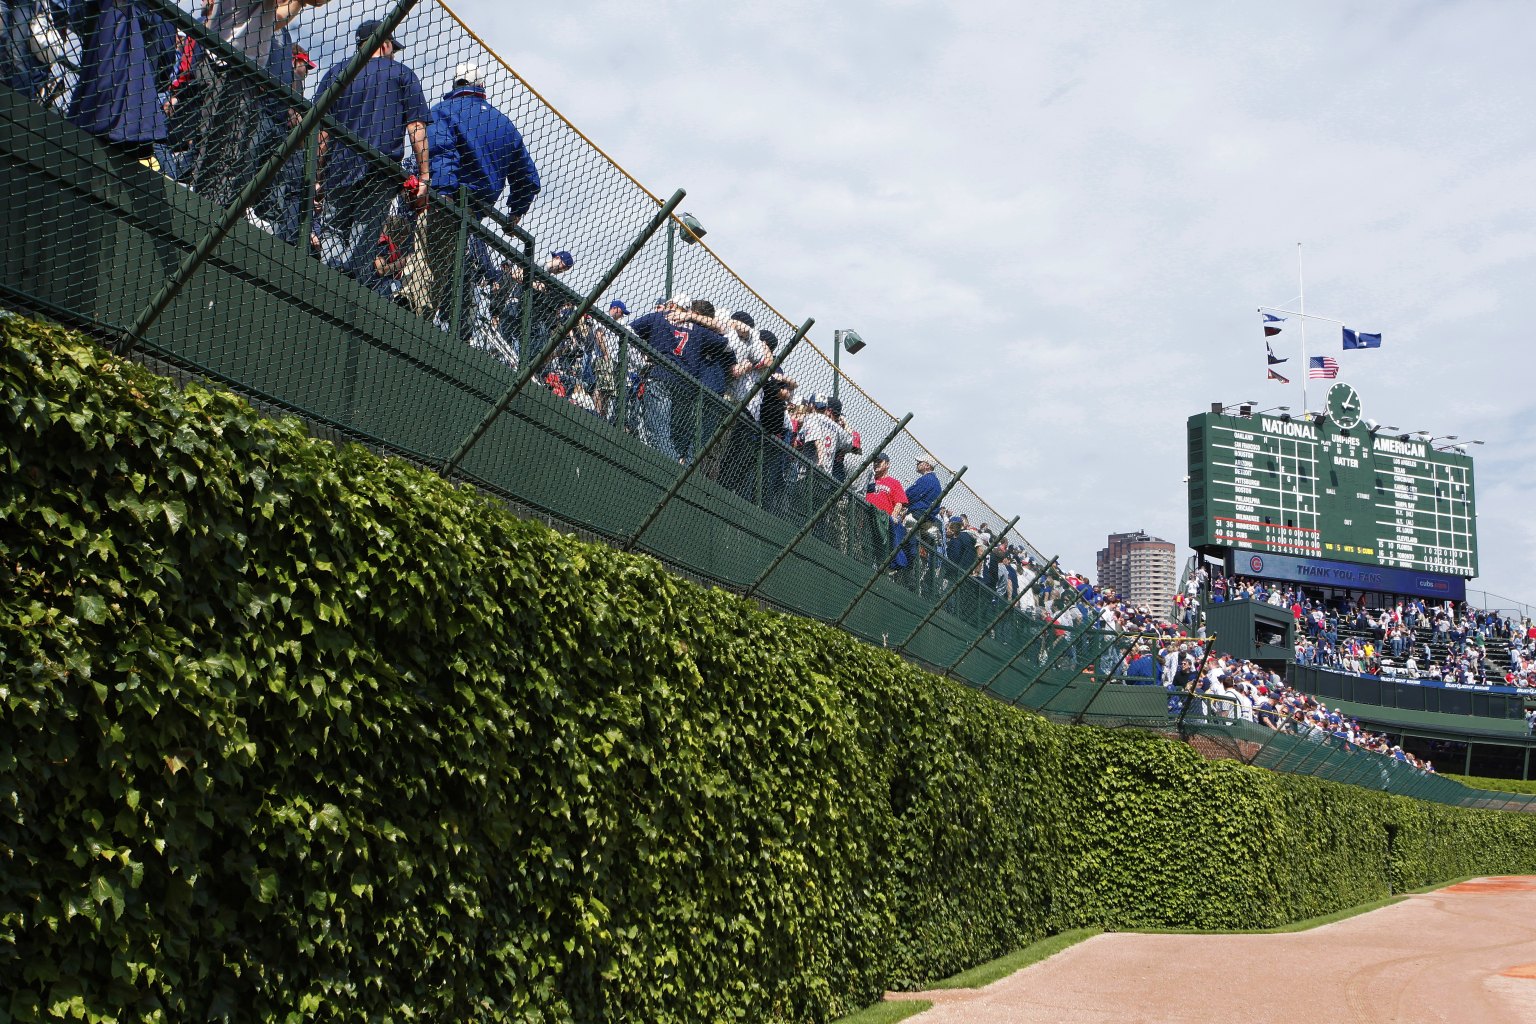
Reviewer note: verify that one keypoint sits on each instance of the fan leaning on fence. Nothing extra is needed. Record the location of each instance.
(476, 154)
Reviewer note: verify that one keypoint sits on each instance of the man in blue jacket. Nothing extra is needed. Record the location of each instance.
(923, 535)
(383, 105)
(478, 149)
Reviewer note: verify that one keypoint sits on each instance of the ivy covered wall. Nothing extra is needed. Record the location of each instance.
(293, 732)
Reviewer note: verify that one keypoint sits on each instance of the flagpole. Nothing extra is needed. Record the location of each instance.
(1305, 370)
(1294, 312)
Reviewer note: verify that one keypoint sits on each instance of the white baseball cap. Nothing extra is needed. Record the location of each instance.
(469, 72)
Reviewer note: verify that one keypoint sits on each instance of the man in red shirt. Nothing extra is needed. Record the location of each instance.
(885, 493)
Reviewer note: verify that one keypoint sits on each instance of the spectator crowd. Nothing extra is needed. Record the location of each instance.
(1220, 689)
(1407, 638)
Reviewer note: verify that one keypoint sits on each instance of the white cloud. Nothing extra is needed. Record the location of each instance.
(1052, 222)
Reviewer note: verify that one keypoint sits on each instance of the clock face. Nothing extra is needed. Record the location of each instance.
(1343, 406)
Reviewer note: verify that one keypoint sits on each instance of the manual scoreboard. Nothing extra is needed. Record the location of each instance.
(1329, 487)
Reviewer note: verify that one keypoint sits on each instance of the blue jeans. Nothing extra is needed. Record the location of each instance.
(656, 405)
(359, 212)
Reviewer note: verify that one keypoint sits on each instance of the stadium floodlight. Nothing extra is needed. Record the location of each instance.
(1273, 408)
(693, 231)
(842, 341)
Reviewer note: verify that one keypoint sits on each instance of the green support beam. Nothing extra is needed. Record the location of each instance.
(890, 556)
(263, 179)
(1010, 606)
(826, 507)
(721, 432)
(526, 371)
(1027, 645)
(944, 597)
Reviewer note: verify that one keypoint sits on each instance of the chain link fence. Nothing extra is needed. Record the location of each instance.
(356, 212)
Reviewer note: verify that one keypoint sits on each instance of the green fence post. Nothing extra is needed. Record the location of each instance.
(525, 308)
(890, 556)
(311, 173)
(1082, 716)
(458, 263)
(1010, 606)
(1068, 642)
(264, 177)
(944, 596)
(1082, 713)
(671, 246)
(826, 506)
(760, 454)
(719, 435)
(1030, 643)
(1092, 662)
(525, 373)
(620, 410)
(1194, 686)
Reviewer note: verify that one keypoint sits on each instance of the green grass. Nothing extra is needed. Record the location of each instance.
(992, 970)
(1497, 785)
(885, 1013)
(1294, 926)
(1442, 885)
(1309, 923)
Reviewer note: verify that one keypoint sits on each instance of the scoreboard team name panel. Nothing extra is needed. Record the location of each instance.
(1313, 490)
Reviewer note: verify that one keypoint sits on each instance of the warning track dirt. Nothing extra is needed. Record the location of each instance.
(1463, 954)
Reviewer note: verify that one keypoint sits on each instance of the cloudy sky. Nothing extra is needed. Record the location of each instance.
(1052, 222)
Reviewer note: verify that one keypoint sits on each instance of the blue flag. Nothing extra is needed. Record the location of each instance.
(1360, 340)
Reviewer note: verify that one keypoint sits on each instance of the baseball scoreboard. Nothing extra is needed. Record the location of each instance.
(1331, 488)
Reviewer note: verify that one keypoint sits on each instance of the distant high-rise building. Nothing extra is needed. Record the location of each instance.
(1140, 568)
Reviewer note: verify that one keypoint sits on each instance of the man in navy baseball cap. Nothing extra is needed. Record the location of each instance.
(371, 26)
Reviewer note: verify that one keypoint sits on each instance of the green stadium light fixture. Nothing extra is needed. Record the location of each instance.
(692, 232)
(1273, 408)
(842, 341)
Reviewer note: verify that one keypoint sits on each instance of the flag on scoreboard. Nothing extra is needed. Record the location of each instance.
(1273, 359)
(1354, 339)
(1270, 330)
(1322, 368)
(1275, 376)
